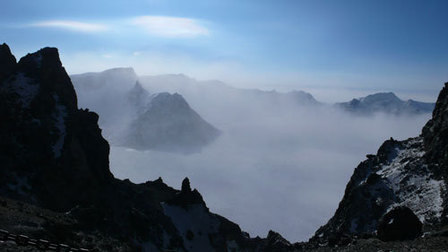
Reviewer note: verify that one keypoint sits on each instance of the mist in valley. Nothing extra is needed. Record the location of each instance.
(281, 162)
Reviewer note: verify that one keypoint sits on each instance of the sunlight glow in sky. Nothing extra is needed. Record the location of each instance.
(399, 46)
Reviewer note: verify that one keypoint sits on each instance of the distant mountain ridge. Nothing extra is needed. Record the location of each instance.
(211, 97)
(220, 93)
(387, 103)
(166, 122)
(132, 117)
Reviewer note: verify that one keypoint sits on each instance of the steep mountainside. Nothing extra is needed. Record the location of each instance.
(132, 117)
(387, 103)
(410, 173)
(53, 156)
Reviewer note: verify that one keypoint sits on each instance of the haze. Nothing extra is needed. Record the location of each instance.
(276, 166)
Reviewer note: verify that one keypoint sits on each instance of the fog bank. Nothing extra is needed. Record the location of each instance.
(284, 171)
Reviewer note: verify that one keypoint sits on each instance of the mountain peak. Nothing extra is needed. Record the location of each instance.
(385, 102)
(45, 67)
(49, 55)
(121, 70)
(7, 61)
(382, 96)
(40, 98)
(435, 132)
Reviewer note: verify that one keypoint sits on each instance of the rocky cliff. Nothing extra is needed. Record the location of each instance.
(54, 157)
(47, 142)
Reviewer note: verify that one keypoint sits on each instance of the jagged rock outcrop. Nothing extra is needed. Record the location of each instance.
(7, 61)
(53, 155)
(45, 135)
(409, 173)
(387, 103)
(435, 135)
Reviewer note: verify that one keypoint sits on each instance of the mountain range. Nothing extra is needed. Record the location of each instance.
(201, 94)
(387, 103)
(56, 185)
(130, 116)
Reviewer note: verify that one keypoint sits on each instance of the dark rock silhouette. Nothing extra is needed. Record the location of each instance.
(7, 61)
(53, 155)
(399, 224)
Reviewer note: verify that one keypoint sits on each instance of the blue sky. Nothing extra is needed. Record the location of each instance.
(388, 45)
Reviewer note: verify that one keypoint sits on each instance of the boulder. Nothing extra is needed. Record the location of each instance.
(399, 224)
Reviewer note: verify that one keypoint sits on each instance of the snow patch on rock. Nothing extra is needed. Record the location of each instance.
(417, 189)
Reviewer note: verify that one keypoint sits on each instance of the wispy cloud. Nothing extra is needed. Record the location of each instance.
(170, 27)
(72, 25)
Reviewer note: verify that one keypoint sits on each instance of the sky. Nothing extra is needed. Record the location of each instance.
(382, 45)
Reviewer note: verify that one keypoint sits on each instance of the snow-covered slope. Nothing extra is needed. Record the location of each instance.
(385, 103)
(131, 116)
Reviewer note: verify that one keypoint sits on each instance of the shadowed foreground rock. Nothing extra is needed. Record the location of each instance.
(399, 224)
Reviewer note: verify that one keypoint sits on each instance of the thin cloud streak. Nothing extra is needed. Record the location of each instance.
(72, 25)
(170, 27)
(157, 26)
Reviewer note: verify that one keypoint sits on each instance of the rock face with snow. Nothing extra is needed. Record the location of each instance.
(387, 103)
(409, 173)
(44, 134)
(132, 117)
